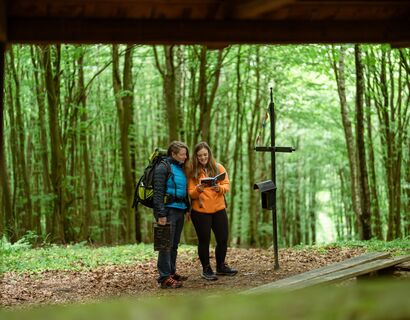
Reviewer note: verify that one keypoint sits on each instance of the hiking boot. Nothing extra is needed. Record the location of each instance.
(208, 274)
(225, 270)
(179, 277)
(170, 283)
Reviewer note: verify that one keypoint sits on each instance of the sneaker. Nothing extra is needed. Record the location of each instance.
(225, 270)
(170, 283)
(208, 274)
(179, 277)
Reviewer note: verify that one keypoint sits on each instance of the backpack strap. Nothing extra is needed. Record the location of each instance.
(170, 174)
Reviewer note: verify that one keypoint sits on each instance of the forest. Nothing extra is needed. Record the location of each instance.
(80, 122)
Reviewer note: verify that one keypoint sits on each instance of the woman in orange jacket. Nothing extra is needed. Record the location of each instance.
(208, 210)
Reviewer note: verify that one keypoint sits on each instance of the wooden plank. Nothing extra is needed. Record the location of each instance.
(355, 261)
(3, 19)
(351, 272)
(252, 9)
(405, 266)
(151, 31)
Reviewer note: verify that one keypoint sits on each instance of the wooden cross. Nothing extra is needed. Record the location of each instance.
(273, 149)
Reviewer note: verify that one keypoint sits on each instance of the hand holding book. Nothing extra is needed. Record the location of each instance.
(212, 181)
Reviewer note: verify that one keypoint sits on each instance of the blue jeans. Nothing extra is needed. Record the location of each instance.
(167, 258)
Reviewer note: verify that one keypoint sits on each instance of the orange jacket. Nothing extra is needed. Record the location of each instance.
(210, 200)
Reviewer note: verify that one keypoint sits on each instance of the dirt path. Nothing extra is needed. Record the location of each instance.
(255, 268)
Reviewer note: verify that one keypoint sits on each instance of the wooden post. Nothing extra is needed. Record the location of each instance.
(273, 149)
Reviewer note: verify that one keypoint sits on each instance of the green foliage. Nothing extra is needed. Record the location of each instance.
(8, 248)
(369, 300)
(307, 112)
(396, 247)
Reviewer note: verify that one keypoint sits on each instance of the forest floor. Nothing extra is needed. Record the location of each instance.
(255, 266)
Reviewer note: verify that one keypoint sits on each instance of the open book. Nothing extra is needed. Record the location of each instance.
(210, 182)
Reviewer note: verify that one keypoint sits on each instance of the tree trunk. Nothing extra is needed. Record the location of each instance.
(312, 206)
(407, 204)
(365, 222)
(236, 158)
(85, 148)
(394, 119)
(43, 148)
(168, 77)
(58, 163)
(297, 231)
(251, 137)
(375, 207)
(123, 101)
(206, 102)
(8, 226)
(338, 69)
(282, 201)
(15, 207)
(21, 156)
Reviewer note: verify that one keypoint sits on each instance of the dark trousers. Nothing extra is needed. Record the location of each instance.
(204, 223)
(167, 258)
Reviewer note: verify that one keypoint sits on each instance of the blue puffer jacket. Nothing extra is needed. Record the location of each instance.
(175, 185)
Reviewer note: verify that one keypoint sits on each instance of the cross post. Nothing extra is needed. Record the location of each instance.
(273, 149)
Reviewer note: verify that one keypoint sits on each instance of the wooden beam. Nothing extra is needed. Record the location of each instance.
(320, 272)
(351, 272)
(3, 21)
(43, 30)
(255, 8)
(400, 45)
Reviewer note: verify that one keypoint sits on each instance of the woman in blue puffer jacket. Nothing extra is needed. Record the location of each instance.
(170, 206)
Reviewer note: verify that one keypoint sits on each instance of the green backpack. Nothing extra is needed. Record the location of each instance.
(144, 190)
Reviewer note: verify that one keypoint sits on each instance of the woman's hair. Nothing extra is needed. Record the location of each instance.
(175, 147)
(210, 167)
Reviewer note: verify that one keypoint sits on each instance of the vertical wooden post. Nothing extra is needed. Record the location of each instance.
(273, 149)
(273, 161)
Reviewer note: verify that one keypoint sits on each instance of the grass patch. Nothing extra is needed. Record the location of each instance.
(20, 257)
(396, 247)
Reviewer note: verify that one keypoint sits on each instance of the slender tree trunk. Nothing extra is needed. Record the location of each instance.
(22, 160)
(312, 206)
(123, 103)
(346, 209)
(251, 138)
(365, 217)
(43, 148)
(58, 163)
(236, 159)
(168, 76)
(393, 113)
(375, 207)
(407, 204)
(8, 227)
(85, 147)
(15, 207)
(282, 201)
(347, 126)
(297, 232)
(206, 102)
